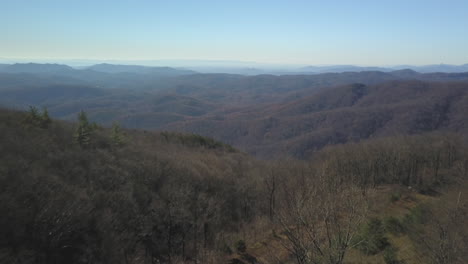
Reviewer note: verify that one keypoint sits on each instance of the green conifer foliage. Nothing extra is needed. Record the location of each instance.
(45, 118)
(83, 131)
(117, 135)
(36, 119)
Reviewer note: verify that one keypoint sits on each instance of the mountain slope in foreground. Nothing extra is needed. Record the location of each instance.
(146, 197)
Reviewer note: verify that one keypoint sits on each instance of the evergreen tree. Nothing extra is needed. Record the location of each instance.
(33, 112)
(83, 119)
(33, 117)
(83, 132)
(45, 118)
(36, 119)
(117, 135)
(93, 126)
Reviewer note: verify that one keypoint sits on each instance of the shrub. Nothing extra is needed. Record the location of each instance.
(226, 249)
(394, 197)
(371, 239)
(393, 225)
(414, 218)
(241, 247)
(390, 255)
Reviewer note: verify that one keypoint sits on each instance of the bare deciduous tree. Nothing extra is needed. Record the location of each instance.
(442, 236)
(319, 218)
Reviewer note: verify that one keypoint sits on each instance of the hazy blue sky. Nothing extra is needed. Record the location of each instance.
(306, 32)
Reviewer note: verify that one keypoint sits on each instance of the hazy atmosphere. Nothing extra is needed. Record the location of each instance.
(233, 132)
(284, 32)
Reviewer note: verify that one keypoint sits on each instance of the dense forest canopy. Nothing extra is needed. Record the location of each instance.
(126, 196)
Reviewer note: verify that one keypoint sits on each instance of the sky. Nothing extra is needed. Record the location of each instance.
(307, 32)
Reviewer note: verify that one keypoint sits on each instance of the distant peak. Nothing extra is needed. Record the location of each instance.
(405, 73)
(37, 68)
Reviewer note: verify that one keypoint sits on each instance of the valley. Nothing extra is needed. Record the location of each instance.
(265, 115)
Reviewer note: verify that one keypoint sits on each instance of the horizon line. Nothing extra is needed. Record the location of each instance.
(214, 61)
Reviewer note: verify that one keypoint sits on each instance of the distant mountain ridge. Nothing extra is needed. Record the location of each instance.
(441, 68)
(175, 69)
(35, 68)
(113, 68)
(343, 68)
(52, 68)
(445, 68)
(103, 76)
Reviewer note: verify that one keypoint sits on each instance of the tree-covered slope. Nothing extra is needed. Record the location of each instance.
(162, 194)
(80, 193)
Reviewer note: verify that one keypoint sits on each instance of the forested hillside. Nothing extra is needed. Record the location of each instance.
(80, 193)
(265, 115)
(338, 115)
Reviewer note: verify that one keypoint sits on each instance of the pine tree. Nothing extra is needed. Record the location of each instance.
(33, 112)
(83, 119)
(36, 119)
(45, 118)
(83, 132)
(117, 135)
(33, 117)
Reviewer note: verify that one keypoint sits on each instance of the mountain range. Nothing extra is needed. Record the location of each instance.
(217, 168)
(230, 67)
(267, 115)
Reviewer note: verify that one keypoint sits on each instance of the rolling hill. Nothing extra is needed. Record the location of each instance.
(338, 115)
(266, 115)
